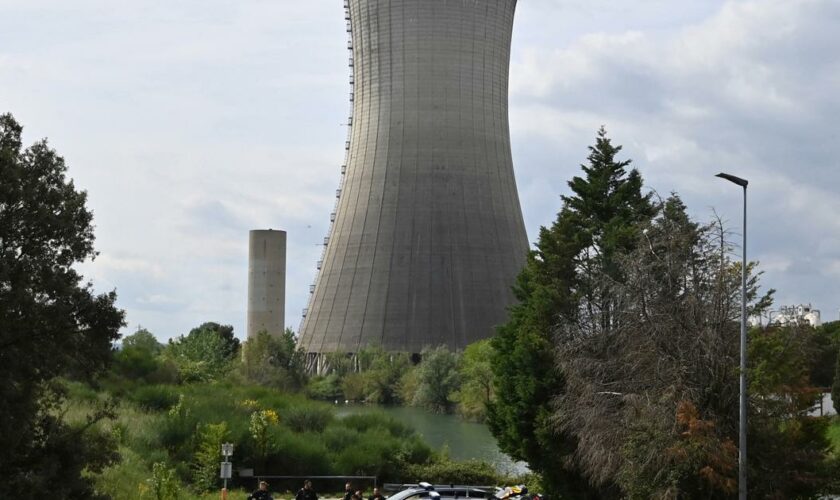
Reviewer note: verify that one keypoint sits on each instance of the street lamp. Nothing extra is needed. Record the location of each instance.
(742, 421)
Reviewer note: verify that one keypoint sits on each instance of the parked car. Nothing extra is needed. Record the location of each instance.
(458, 491)
(439, 491)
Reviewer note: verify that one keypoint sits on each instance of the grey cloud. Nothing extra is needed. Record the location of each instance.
(191, 123)
(751, 89)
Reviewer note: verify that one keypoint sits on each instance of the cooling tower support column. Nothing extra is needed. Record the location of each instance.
(427, 237)
(266, 282)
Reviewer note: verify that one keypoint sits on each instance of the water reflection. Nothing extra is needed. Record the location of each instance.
(466, 440)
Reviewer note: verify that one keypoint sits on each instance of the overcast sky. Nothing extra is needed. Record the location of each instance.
(191, 122)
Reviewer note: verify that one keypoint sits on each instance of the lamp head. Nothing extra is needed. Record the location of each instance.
(735, 180)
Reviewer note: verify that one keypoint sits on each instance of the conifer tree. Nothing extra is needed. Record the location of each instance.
(598, 221)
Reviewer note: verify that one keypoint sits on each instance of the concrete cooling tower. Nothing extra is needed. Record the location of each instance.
(427, 235)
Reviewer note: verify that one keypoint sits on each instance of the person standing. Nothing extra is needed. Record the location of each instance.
(376, 495)
(348, 491)
(306, 493)
(261, 493)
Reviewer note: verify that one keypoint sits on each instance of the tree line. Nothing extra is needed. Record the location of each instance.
(615, 375)
(617, 371)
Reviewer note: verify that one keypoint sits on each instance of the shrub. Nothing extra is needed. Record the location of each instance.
(338, 437)
(447, 472)
(307, 418)
(154, 397)
(163, 485)
(176, 430)
(438, 379)
(135, 363)
(165, 373)
(78, 391)
(328, 387)
(273, 361)
(408, 384)
(355, 386)
(206, 463)
(367, 421)
(292, 453)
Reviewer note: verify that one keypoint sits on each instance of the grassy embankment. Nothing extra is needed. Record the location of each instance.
(274, 433)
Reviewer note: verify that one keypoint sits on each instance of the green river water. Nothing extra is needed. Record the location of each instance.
(466, 440)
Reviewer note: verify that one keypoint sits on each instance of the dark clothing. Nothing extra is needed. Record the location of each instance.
(304, 494)
(376, 497)
(348, 495)
(260, 495)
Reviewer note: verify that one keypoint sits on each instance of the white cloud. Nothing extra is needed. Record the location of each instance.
(191, 123)
(747, 89)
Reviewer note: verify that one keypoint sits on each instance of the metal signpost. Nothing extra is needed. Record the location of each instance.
(226, 469)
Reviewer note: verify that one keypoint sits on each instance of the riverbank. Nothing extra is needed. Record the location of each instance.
(168, 436)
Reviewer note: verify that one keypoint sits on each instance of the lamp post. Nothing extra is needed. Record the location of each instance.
(742, 421)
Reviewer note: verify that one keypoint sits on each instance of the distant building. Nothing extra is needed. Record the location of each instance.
(266, 282)
(796, 315)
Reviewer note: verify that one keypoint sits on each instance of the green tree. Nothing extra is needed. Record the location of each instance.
(476, 381)
(787, 445)
(51, 322)
(598, 222)
(142, 339)
(438, 379)
(204, 354)
(835, 387)
(138, 356)
(163, 485)
(826, 350)
(225, 332)
(381, 373)
(205, 467)
(274, 362)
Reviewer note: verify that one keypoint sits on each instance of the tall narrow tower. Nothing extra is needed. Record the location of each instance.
(266, 282)
(427, 236)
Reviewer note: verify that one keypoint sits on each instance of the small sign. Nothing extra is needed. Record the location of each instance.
(226, 470)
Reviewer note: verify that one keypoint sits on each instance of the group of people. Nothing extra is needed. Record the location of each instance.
(350, 494)
(308, 493)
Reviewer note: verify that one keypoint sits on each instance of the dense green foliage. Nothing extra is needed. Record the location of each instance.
(273, 362)
(205, 353)
(825, 345)
(835, 387)
(435, 383)
(139, 358)
(437, 379)
(598, 222)
(614, 377)
(169, 432)
(51, 323)
(617, 374)
(476, 391)
(274, 433)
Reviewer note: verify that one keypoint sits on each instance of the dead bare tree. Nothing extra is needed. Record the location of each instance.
(672, 340)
